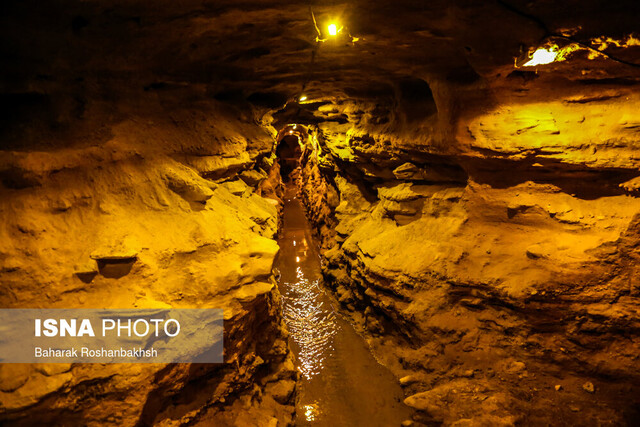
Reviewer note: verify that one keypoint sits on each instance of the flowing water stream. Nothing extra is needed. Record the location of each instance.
(341, 382)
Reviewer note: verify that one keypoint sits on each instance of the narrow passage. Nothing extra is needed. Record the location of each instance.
(341, 382)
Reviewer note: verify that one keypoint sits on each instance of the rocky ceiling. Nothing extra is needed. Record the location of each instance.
(266, 52)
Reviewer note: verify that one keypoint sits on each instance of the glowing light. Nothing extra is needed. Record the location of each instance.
(549, 54)
(303, 98)
(595, 48)
(541, 56)
(603, 42)
(311, 412)
(333, 30)
(297, 259)
(290, 132)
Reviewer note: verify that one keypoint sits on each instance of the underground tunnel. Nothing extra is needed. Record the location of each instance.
(389, 213)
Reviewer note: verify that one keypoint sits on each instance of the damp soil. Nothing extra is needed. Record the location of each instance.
(341, 384)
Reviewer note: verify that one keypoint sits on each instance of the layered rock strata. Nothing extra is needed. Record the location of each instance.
(163, 212)
(494, 274)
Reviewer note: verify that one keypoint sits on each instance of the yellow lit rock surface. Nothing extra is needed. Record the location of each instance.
(478, 218)
(126, 224)
(512, 265)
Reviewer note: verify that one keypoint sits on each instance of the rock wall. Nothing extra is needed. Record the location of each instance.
(161, 210)
(488, 255)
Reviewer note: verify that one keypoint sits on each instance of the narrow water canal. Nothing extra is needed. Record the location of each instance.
(341, 382)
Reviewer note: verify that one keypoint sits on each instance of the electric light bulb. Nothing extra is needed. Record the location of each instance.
(303, 98)
(333, 30)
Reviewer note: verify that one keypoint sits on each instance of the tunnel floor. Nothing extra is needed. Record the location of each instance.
(341, 384)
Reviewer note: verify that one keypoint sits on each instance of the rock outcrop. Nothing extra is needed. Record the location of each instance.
(487, 276)
(488, 247)
(159, 214)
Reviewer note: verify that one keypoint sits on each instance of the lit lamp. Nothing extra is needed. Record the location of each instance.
(332, 31)
(547, 54)
(542, 56)
(302, 98)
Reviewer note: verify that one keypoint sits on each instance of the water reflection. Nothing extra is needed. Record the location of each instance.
(311, 323)
(311, 412)
(341, 383)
